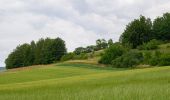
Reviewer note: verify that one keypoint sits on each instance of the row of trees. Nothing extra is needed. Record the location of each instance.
(44, 51)
(144, 35)
(143, 30)
(141, 33)
(100, 44)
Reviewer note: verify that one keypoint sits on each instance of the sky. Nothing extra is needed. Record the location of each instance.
(78, 22)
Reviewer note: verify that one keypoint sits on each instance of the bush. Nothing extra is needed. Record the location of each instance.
(152, 45)
(155, 59)
(73, 56)
(81, 56)
(79, 50)
(161, 59)
(147, 56)
(127, 60)
(68, 56)
(168, 46)
(164, 60)
(112, 53)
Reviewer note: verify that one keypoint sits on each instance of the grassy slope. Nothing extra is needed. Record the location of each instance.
(85, 82)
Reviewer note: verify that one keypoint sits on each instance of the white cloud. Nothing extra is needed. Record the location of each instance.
(78, 22)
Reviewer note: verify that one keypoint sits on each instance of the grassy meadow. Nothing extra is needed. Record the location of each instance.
(75, 81)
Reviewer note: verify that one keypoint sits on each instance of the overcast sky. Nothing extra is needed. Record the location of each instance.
(78, 22)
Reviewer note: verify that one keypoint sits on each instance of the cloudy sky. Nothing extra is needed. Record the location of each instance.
(78, 22)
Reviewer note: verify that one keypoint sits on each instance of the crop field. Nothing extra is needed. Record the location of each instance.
(71, 81)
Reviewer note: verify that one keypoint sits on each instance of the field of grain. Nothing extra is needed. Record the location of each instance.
(85, 82)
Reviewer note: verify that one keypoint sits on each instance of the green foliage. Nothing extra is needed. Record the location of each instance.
(45, 51)
(154, 60)
(101, 44)
(164, 60)
(81, 56)
(161, 27)
(129, 59)
(147, 56)
(79, 50)
(88, 49)
(112, 53)
(168, 46)
(110, 42)
(141, 30)
(49, 50)
(161, 59)
(68, 56)
(21, 56)
(137, 32)
(151, 45)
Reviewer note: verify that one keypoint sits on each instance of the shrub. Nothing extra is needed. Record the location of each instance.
(127, 60)
(147, 56)
(68, 56)
(79, 50)
(168, 46)
(155, 59)
(161, 59)
(152, 45)
(81, 56)
(164, 60)
(112, 53)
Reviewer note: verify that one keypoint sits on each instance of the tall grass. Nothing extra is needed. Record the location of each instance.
(72, 82)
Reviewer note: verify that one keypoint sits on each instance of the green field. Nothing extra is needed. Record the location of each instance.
(85, 82)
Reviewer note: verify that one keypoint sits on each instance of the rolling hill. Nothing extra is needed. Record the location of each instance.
(76, 81)
(86, 80)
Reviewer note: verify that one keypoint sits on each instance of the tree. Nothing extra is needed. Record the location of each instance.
(98, 44)
(110, 42)
(45, 51)
(137, 32)
(90, 48)
(101, 44)
(33, 48)
(161, 27)
(79, 50)
(58, 48)
(129, 59)
(21, 56)
(112, 53)
(39, 51)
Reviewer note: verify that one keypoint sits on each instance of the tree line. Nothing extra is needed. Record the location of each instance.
(138, 44)
(100, 44)
(44, 51)
(143, 30)
(141, 33)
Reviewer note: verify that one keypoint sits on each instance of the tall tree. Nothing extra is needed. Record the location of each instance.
(79, 50)
(161, 27)
(101, 44)
(39, 51)
(21, 56)
(110, 42)
(137, 32)
(58, 48)
(45, 51)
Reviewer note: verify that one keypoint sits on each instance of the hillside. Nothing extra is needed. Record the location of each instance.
(87, 80)
(75, 81)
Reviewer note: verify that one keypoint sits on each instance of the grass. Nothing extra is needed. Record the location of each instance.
(75, 81)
